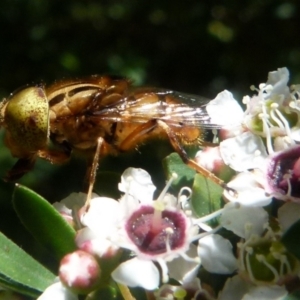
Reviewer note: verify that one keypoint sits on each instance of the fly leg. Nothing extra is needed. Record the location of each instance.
(55, 156)
(21, 167)
(24, 165)
(92, 171)
(190, 162)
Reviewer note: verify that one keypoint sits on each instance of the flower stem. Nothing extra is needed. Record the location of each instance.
(125, 292)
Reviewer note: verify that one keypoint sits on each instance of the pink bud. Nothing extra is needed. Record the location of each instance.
(210, 158)
(80, 272)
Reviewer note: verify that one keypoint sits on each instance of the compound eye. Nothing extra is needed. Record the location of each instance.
(26, 121)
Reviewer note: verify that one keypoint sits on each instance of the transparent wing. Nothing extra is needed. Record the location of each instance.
(142, 104)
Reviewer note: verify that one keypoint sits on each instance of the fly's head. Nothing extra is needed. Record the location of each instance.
(25, 117)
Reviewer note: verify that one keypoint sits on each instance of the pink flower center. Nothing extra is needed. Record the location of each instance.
(156, 235)
(284, 170)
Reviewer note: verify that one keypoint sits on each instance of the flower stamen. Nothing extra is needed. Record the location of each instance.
(201, 235)
(274, 110)
(283, 120)
(210, 216)
(166, 188)
(190, 259)
(169, 231)
(159, 206)
(266, 130)
(249, 252)
(263, 260)
(287, 177)
(164, 270)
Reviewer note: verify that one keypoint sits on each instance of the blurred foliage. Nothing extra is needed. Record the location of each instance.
(193, 46)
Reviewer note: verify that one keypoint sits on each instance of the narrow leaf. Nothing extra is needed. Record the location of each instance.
(20, 272)
(43, 222)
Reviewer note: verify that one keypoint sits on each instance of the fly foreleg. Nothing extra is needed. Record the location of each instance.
(21, 167)
(190, 162)
(24, 165)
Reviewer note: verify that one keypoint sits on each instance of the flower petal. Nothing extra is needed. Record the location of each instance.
(58, 292)
(184, 270)
(137, 272)
(102, 215)
(67, 204)
(279, 79)
(246, 151)
(216, 254)
(234, 289)
(138, 184)
(249, 191)
(244, 220)
(266, 292)
(225, 110)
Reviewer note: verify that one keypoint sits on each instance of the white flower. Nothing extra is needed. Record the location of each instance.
(58, 292)
(154, 230)
(268, 113)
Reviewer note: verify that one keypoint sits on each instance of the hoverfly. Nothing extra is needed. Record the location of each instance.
(101, 113)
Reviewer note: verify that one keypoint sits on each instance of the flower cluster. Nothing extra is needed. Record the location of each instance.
(260, 145)
(159, 238)
(263, 138)
(161, 245)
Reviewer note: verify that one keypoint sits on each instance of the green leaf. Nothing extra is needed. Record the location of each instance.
(206, 197)
(174, 164)
(20, 272)
(44, 222)
(291, 239)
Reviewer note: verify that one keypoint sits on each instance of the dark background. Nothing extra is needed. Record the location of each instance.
(199, 47)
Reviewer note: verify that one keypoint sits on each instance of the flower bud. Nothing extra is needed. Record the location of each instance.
(80, 272)
(210, 158)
